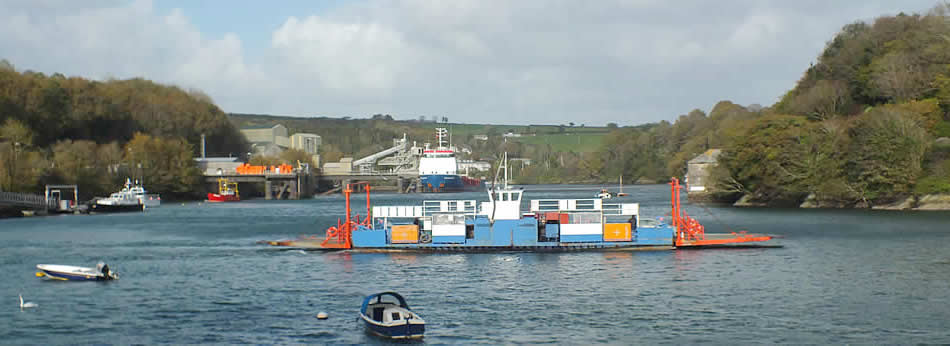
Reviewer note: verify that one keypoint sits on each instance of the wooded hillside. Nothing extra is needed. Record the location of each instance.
(860, 128)
(66, 130)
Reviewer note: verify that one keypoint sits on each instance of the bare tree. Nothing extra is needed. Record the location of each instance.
(899, 77)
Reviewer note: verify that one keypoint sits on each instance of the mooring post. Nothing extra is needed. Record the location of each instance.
(268, 194)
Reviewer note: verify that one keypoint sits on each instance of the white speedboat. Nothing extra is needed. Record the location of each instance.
(74, 273)
(604, 194)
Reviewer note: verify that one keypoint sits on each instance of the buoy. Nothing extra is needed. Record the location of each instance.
(322, 315)
(40, 274)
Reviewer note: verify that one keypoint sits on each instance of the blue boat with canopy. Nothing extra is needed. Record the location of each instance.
(387, 314)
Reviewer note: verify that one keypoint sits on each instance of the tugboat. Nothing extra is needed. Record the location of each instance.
(227, 192)
(130, 198)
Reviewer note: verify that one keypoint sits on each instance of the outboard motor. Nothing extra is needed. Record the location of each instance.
(104, 270)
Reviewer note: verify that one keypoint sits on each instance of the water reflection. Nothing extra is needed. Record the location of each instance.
(404, 258)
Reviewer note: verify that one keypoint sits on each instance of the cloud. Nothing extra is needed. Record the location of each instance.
(531, 61)
(120, 40)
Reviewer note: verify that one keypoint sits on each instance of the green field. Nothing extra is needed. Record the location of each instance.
(484, 129)
(579, 142)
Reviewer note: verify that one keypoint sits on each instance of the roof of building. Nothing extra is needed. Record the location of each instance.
(710, 156)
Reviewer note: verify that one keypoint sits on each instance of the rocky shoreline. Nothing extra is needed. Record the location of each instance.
(925, 202)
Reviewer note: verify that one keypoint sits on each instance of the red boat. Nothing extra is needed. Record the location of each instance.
(227, 192)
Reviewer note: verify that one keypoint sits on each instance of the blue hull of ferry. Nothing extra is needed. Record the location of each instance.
(508, 235)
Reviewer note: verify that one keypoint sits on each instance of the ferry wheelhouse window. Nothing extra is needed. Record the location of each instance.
(515, 196)
(395, 316)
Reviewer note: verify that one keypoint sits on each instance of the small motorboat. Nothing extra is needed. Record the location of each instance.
(391, 319)
(64, 272)
(604, 194)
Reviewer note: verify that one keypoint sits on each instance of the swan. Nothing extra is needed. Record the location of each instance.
(26, 305)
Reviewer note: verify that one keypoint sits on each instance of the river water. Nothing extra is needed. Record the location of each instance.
(193, 273)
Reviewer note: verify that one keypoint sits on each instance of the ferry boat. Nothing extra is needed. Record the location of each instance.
(130, 198)
(227, 192)
(438, 169)
(500, 224)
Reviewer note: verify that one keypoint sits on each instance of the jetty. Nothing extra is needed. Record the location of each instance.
(292, 185)
(19, 201)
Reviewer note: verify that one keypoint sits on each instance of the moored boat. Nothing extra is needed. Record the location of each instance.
(227, 192)
(387, 314)
(438, 169)
(132, 197)
(74, 273)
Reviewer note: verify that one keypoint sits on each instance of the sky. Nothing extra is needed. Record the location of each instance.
(474, 61)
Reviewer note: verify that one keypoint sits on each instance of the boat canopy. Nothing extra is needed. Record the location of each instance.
(379, 297)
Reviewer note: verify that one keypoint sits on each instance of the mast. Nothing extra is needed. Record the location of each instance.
(440, 135)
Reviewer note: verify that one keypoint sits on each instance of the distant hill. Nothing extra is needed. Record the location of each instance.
(360, 137)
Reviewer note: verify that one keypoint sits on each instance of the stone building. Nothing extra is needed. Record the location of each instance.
(698, 170)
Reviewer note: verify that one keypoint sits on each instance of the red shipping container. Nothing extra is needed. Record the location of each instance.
(565, 219)
(549, 216)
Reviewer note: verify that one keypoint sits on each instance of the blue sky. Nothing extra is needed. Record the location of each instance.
(473, 61)
(253, 21)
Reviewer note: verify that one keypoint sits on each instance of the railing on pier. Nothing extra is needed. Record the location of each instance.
(24, 200)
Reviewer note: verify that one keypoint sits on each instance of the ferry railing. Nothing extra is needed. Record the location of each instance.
(466, 207)
(566, 205)
(621, 209)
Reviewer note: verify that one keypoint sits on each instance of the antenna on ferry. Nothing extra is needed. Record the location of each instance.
(506, 170)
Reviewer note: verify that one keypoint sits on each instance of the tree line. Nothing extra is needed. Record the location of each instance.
(71, 130)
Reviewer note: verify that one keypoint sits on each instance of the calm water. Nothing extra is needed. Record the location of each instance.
(193, 274)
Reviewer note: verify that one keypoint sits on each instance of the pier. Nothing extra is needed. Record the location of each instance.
(25, 201)
(403, 182)
(294, 185)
